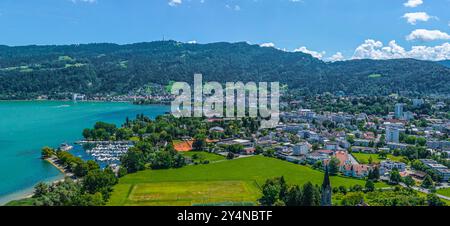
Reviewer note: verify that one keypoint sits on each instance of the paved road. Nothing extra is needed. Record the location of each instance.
(426, 191)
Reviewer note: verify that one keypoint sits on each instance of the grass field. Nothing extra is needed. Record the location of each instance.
(21, 202)
(364, 158)
(225, 181)
(203, 156)
(191, 193)
(445, 192)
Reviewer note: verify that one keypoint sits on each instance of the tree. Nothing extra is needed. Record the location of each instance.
(259, 150)
(230, 155)
(47, 152)
(40, 190)
(370, 186)
(311, 195)
(370, 160)
(333, 166)
(293, 196)
(410, 140)
(199, 142)
(122, 172)
(395, 177)
(382, 154)
(235, 148)
(271, 193)
(421, 141)
(87, 134)
(374, 174)
(343, 189)
(409, 181)
(133, 160)
(427, 182)
(91, 200)
(81, 169)
(100, 181)
(352, 199)
(434, 200)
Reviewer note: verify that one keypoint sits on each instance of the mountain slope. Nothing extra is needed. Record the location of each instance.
(445, 63)
(28, 71)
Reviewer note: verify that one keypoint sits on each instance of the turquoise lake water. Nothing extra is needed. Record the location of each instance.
(27, 126)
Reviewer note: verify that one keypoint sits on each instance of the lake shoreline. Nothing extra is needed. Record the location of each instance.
(27, 192)
(20, 119)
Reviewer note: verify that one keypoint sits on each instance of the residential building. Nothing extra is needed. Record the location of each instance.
(362, 142)
(388, 166)
(398, 111)
(439, 169)
(302, 148)
(392, 134)
(418, 102)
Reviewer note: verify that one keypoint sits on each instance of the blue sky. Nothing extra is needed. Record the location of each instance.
(378, 29)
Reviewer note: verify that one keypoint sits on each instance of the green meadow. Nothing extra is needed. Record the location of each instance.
(444, 192)
(227, 181)
(364, 158)
(199, 156)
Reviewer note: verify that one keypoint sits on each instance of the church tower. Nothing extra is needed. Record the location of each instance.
(326, 189)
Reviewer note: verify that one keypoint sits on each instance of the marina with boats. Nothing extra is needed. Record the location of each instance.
(107, 152)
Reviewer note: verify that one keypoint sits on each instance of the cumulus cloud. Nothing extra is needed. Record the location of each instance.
(412, 18)
(372, 49)
(85, 1)
(427, 35)
(235, 7)
(336, 57)
(413, 3)
(318, 55)
(175, 2)
(268, 44)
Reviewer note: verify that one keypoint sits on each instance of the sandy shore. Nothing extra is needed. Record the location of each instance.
(26, 193)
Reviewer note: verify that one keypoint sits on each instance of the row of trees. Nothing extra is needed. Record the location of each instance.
(92, 188)
(276, 192)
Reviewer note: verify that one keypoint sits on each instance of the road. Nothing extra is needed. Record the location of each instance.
(426, 191)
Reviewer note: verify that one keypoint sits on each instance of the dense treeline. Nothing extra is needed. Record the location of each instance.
(28, 71)
(276, 192)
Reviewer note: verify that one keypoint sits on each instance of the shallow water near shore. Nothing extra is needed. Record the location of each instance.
(27, 126)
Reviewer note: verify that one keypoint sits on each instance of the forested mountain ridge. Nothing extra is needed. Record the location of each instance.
(445, 63)
(28, 71)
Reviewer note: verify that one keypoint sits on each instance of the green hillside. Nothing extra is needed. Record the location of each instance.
(29, 71)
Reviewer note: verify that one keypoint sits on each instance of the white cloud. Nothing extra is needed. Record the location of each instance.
(413, 3)
(412, 18)
(318, 55)
(85, 1)
(268, 44)
(192, 42)
(175, 2)
(235, 7)
(336, 57)
(427, 35)
(372, 49)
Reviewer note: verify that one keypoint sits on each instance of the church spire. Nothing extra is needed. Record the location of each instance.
(326, 189)
(326, 179)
